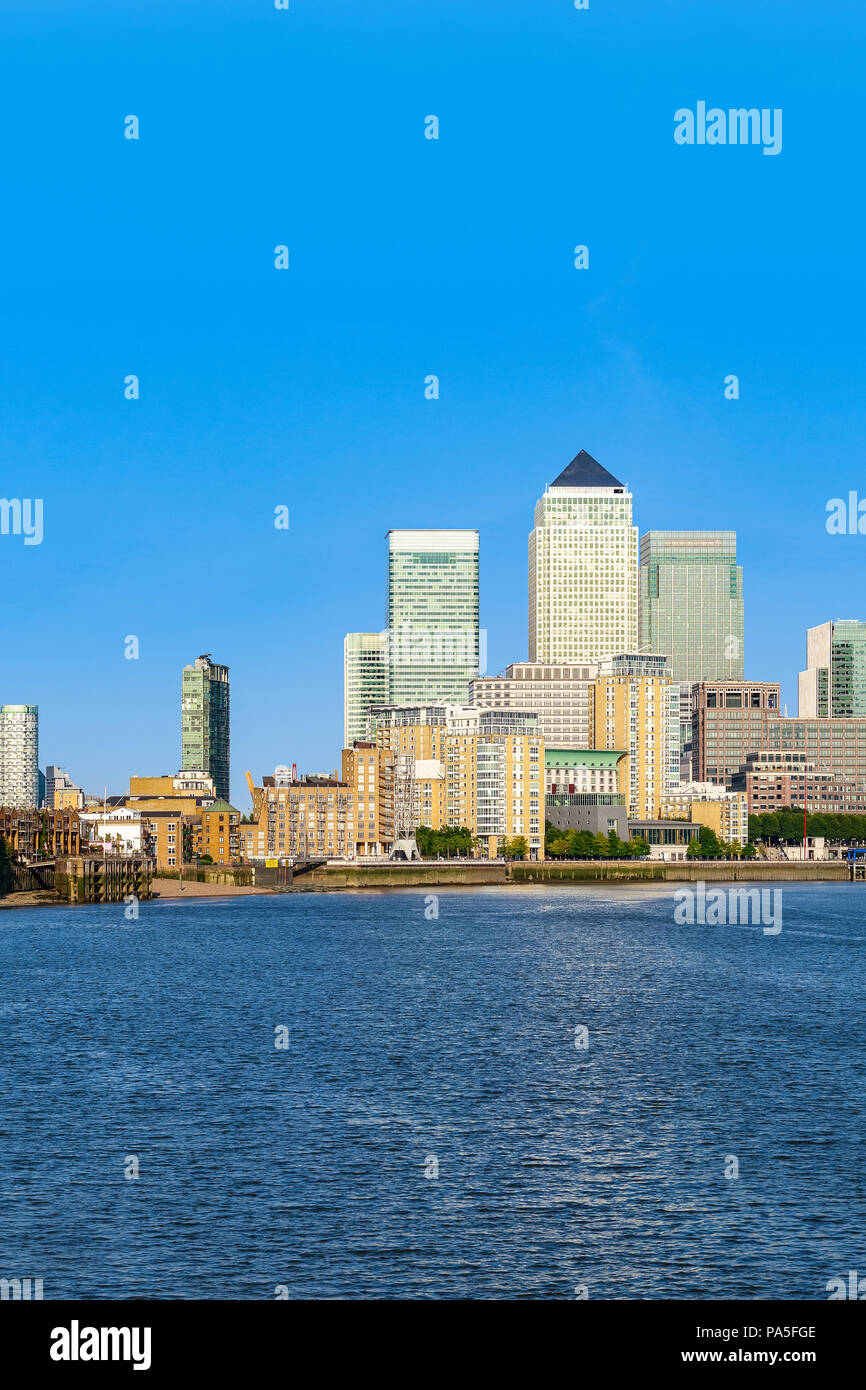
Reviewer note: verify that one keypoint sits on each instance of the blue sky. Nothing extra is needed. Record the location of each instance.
(408, 257)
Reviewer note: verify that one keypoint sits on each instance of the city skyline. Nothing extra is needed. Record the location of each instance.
(316, 734)
(307, 388)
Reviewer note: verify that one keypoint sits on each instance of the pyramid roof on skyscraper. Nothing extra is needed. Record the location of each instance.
(585, 471)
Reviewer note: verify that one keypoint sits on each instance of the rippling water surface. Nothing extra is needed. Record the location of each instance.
(416, 1041)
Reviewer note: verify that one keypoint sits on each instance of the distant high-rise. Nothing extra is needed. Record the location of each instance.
(19, 755)
(205, 722)
(833, 686)
(365, 680)
(433, 633)
(583, 567)
(691, 603)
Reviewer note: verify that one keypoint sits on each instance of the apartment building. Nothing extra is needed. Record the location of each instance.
(481, 768)
(561, 695)
(206, 721)
(704, 803)
(637, 713)
(19, 756)
(163, 837)
(29, 831)
(305, 818)
(216, 833)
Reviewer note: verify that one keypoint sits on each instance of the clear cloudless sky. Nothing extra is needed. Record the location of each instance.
(408, 257)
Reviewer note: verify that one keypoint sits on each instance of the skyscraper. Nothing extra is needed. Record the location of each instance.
(205, 722)
(19, 755)
(365, 680)
(433, 633)
(691, 603)
(833, 686)
(583, 567)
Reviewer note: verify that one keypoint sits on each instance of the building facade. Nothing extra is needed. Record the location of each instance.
(474, 767)
(833, 686)
(206, 722)
(216, 833)
(299, 818)
(365, 680)
(561, 696)
(637, 712)
(703, 803)
(19, 755)
(771, 781)
(691, 603)
(729, 720)
(32, 833)
(433, 628)
(583, 567)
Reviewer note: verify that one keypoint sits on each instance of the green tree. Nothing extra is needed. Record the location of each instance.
(639, 848)
(600, 847)
(516, 848)
(616, 848)
(581, 844)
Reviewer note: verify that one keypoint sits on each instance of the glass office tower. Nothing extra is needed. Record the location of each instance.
(433, 633)
(833, 686)
(691, 603)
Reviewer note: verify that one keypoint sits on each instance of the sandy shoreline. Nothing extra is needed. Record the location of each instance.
(171, 888)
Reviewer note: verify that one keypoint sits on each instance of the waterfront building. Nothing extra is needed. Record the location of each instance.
(469, 766)
(729, 720)
(206, 721)
(118, 831)
(583, 567)
(30, 831)
(305, 818)
(561, 695)
(637, 712)
(704, 803)
(771, 781)
(369, 771)
(19, 755)
(433, 627)
(572, 770)
(833, 686)
(163, 837)
(691, 603)
(216, 833)
(668, 840)
(582, 790)
(365, 680)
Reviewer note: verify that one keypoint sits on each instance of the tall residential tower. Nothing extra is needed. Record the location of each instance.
(205, 722)
(19, 755)
(583, 567)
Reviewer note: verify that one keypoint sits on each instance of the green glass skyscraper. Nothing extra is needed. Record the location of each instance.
(205, 722)
(691, 603)
(833, 686)
(433, 634)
